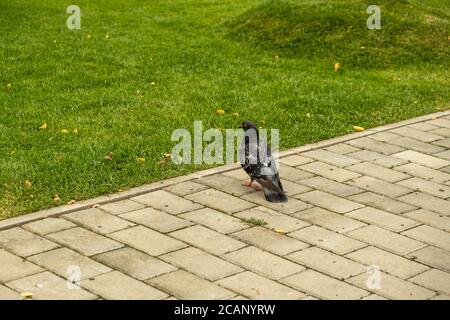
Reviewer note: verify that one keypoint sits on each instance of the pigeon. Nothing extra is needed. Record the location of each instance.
(256, 159)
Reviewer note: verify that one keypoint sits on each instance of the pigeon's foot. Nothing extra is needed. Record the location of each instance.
(247, 183)
(256, 186)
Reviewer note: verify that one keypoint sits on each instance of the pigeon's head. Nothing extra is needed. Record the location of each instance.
(247, 124)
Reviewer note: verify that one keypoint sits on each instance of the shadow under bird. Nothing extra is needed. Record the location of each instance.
(256, 159)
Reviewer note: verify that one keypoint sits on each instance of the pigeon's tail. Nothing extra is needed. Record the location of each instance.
(273, 190)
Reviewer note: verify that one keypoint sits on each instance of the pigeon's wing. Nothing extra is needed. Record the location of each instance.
(248, 157)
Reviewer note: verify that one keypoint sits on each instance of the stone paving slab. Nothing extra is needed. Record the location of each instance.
(372, 200)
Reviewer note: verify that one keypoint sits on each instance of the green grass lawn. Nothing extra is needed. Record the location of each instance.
(137, 70)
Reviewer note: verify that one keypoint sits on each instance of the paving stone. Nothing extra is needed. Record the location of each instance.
(215, 220)
(432, 256)
(430, 235)
(186, 187)
(416, 134)
(384, 136)
(238, 174)
(376, 171)
(49, 225)
(84, 241)
(446, 170)
(327, 262)
(386, 239)
(220, 200)
(293, 174)
(394, 288)
(443, 143)
(329, 220)
(443, 132)
(440, 122)
(342, 148)
(122, 206)
(256, 287)
(380, 186)
(327, 240)
(60, 260)
(426, 173)
(422, 159)
(24, 243)
(434, 279)
(293, 205)
(295, 160)
(134, 263)
(209, 240)
(167, 202)
(47, 286)
(274, 219)
(269, 240)
(433, 188)
(264, 263)
(375, 145)
(378, 158)
(323, 286)
(443, 155)
(387, 262)
(292, 188)
(329, 171)
(98, 221)
(423, 126)
(224, 183)
(382, 202)
(413, 144)
(330, 186)
(118, 286)
(441, 297)
(155, 219)
(430, 218)
(12, 267)
(382, 219)
(149, 241)
(185, 285)
(201, 263)
(8, 294)
(427, 201)
(329, 201)
(332, 158)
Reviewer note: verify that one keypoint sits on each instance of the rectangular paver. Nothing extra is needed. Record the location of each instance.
(207, 239)
(413, 144)
(386, 239)
(383, 219)
(269, 240)
(186, 187)
(387, 262)
(430, 187)
(422, 159)
(122, 206)
(332, 158)
(48, 225)
(293, 205)
(414, 169)
(380, 186)
(430, 218)
(220, 200)
(24, 243)
(329, 220)
(329, 171)
(377, 158)
(295, 160)
(264, 263)
(152, 242)
(329, 201)
(379, 172)
(323, 286)
(84, 241)
(432, 256)
(435, 280)
(327, 262)
(256, 287)
(216, 220)
(375, 145)
(226, 184)
(201, 263)
(185, 285)
(382, 202)
(134, 263)
(430, 235)
(426, 201)
(330, 186)
(167, 202)
(13, 267)
(328, 240)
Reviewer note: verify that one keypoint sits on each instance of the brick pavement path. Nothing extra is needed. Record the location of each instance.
(376, 198)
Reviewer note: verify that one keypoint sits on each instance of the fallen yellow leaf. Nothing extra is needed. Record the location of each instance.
(161, 162)
(167, 155)
(140, 159)
(43, 126)
(88, 36)
(28, 184)
(279, 231)
(75, 131)
(27, 295)
(64, 131)
(8, 85)
(152, 83)
(236, 114)
(337, 66)
(109, 158)
(56, 198)
(71, 202)
(220, 111)
(358, 129)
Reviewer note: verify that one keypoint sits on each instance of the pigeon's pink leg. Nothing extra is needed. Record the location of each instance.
(256, 186)
(247, 183)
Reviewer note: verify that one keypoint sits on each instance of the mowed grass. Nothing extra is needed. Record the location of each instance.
(137, 70)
